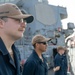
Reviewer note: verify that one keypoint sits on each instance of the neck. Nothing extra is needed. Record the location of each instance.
(8, 42)
(39, 53)
(60, 53)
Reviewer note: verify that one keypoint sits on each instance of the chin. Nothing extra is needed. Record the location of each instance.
(44, 50)
(19, 37)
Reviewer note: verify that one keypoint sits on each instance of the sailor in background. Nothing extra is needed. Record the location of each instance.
(60, 62)
(36, 63)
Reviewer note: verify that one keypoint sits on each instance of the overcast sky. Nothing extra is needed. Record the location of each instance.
(69, 4)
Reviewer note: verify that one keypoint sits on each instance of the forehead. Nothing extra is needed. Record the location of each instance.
(62, 50)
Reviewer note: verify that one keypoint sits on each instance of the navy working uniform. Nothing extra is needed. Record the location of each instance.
(7, 65)
(35, 66)
(61, 60)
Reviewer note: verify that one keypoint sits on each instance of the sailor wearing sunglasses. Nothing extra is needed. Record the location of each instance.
(36, 64)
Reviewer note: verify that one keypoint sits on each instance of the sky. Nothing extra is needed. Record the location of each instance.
(69, 4)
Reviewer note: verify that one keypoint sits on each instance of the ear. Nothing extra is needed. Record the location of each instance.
(1, 23)
(37, 44)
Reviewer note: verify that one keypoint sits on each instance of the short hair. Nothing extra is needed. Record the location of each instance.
(60, 48)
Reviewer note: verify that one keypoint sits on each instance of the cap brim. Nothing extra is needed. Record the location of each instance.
(47, 39)
(27, 18)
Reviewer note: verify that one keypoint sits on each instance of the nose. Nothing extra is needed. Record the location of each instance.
(23, 24)
(47, 44)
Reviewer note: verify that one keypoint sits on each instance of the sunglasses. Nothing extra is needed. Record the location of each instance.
(44, 43)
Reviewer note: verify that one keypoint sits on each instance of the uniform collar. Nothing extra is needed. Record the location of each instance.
(36, 56)
(7, 57)
(3, 48)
